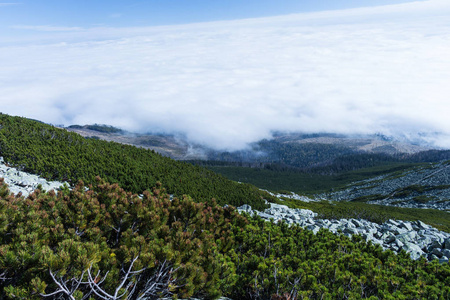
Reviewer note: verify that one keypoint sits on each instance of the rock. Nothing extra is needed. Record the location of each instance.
(376, 241)
(406, 225)
(350, 230)
(306, 213)
(313, 228)
(413, 250)
(422, 225)
(390, 238)
(446, 252)
(437, 252)
(392, 223)
(357, 223)
(436, 244)
(247, 208)
(432, 257)
(443, 260)
(399, 244)
(447, 244)
(295, 217)
(416, 238)
(407, 237)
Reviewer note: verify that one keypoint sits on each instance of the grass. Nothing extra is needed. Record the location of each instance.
(306, 183)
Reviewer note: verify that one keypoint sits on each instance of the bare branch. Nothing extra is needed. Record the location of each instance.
(62, 285)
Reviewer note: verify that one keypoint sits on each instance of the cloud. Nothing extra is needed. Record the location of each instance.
(46, 28)
(226, 84)
(8, 4)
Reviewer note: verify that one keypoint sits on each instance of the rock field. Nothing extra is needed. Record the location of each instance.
(416, 238)
(23, 182)
(423, 187)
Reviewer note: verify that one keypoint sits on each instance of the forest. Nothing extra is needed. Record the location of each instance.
(56, 154)
(137, 225)
(105, 243)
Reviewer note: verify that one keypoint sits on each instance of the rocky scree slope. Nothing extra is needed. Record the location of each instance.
(25, 183)
(416, 238)
(421, 187)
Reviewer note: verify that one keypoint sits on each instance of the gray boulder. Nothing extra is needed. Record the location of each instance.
(413, 250)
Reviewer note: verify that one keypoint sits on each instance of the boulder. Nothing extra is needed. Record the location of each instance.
(437, 252)
(406, 225)
(444, 260)
(247, 208)
(391, 222)
(436, 244)
(388, 238)
(313, 228)
(357, 223)
(407, 237)
(446, 252)
(350, 230)
(447, 244)
(413, 250)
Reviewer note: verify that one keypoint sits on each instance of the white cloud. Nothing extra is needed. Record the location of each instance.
(8, 4)
(225, 84)
(46, 28)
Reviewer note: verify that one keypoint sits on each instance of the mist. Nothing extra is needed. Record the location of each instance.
(227, 84)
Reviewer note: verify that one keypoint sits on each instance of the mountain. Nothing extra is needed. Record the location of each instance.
(167, 145)
(57, 154)
(163, 236)
(422, 186)
(178, 147)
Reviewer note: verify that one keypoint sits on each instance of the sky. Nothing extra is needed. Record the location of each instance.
(229, 73)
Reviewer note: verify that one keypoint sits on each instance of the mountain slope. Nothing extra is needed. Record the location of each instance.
(60, 155)
(424, 186)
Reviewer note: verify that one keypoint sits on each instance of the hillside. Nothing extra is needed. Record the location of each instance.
(424, 186)
(56, 154)
(103, 241)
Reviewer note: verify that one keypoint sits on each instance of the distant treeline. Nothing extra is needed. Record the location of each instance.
(99, 128)
(319, 159)
(57, 154)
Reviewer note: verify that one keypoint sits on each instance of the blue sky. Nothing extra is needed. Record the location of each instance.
(119, 13)
(225, 81)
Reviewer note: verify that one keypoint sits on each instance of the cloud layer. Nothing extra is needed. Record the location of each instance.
(225, 84)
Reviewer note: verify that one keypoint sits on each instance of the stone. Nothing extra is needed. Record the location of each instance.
(399, 244)
(436, 244)
(437, 252)
(397, 230)
(245, 207)
(447, 244)
(390, 238)
(267, 216)
(406, 225)
(407, 237)
(446, 252)
(432, 257)
(357, 223)
(350, 230)
(376, 241)
(443, 260)
(413, 250)
(313, 228)
(392, 222)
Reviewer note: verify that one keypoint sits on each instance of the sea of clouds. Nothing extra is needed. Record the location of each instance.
(226, 84)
